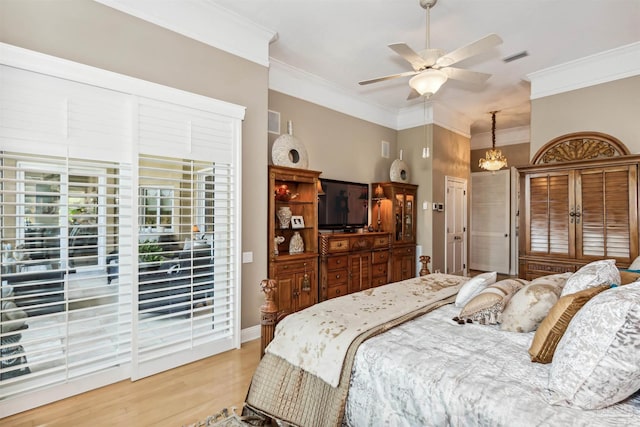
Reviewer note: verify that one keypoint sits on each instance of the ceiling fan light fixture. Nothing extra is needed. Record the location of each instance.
(428, 82)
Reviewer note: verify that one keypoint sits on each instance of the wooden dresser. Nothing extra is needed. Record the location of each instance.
(574, 212)
(351, 262)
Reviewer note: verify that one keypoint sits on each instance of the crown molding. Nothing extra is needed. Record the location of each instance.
(595, 69)
(309, 87)
(206, 22)
(510, 136)
(438, 114)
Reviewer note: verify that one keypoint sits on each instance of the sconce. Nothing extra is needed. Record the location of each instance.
(378, 196)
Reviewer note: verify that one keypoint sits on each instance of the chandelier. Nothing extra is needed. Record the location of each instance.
(493, 159)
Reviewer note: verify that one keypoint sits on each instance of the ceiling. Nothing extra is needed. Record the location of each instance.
(345, 41)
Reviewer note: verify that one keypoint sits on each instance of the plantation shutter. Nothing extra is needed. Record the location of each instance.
(81, 168)
(549, 197)
(606, 202)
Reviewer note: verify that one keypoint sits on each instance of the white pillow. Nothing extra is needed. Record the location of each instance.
(592, 274)
(635, 265)
(474, 286)
(597, 361)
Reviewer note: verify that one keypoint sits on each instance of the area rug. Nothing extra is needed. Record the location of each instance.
(229, 418)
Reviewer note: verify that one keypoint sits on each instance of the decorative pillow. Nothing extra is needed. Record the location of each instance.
(489, 303)
(597, 362)
(474, 286)
(629, 276)
(593, 274)
(556, 280)
(553, 326)
(528, 307)
(531, 304)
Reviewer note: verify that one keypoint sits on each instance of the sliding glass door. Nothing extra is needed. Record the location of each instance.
(61, 318)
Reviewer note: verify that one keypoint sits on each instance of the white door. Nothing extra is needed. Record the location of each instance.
(455, 225)
(490, 224)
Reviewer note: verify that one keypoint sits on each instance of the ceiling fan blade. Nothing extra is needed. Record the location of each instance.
(410, 55)
(469, 50)
(392, 76)
(413, 94)
(474, 77)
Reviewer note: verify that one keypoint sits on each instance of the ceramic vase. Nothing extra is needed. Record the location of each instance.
(296, 245)
(288, 151)
(284, 216)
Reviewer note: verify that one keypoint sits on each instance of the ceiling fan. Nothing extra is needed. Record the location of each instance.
(432, 67)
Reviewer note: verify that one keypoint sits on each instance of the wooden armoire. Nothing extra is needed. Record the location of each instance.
(578, 203)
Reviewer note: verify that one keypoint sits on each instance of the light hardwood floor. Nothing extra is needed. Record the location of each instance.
(174, 398)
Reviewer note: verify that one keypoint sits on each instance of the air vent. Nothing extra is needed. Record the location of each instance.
(516, 56)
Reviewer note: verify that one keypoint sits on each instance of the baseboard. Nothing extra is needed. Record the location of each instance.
(250, 333)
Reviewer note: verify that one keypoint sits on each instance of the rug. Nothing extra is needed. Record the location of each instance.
(226, 418)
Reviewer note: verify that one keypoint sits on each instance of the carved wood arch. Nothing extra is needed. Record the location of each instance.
(580, 146)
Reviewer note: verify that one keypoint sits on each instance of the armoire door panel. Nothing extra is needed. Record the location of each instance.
(549, 228)
(605, 199)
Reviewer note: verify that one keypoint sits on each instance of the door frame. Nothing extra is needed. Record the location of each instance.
(464, 182)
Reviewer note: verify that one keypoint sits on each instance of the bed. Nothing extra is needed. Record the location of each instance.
(418, 368)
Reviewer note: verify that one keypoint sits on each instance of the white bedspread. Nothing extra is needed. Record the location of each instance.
(301, 338)
(434, 372)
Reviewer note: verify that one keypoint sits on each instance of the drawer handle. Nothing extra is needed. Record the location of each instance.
(337, 291)
(285, 267)
(339, 261)
(337, 276)
(339, 244)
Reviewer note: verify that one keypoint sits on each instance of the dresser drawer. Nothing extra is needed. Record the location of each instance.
(337, 277)
(337, 262)
(336, 291)
(381, 242)
(379, 270)
(294, 266)
(338, 245)
(380, 257)
(411, 250)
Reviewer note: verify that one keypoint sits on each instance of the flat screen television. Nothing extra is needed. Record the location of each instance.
(343, 206)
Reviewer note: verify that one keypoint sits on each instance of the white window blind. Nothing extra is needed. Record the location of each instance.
(61, 316)
(103, 302)
(185, 283)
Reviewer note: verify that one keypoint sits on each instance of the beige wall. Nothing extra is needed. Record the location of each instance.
(91, 33)
(340, 146)
(411, 141)
(516, 154)
(612, 108)
(451, 155)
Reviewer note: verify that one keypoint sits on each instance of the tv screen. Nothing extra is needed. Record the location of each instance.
(343, 205)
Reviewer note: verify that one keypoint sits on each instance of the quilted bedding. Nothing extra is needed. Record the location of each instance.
(433, 372)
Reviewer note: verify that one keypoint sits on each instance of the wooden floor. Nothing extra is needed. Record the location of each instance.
(174, 398)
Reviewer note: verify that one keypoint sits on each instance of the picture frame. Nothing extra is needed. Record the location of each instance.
(297, 221)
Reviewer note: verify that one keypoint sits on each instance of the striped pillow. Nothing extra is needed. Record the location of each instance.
(553, 326)
(489, 303)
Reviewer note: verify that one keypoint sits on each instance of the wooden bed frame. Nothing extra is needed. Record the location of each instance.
(270, 315)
